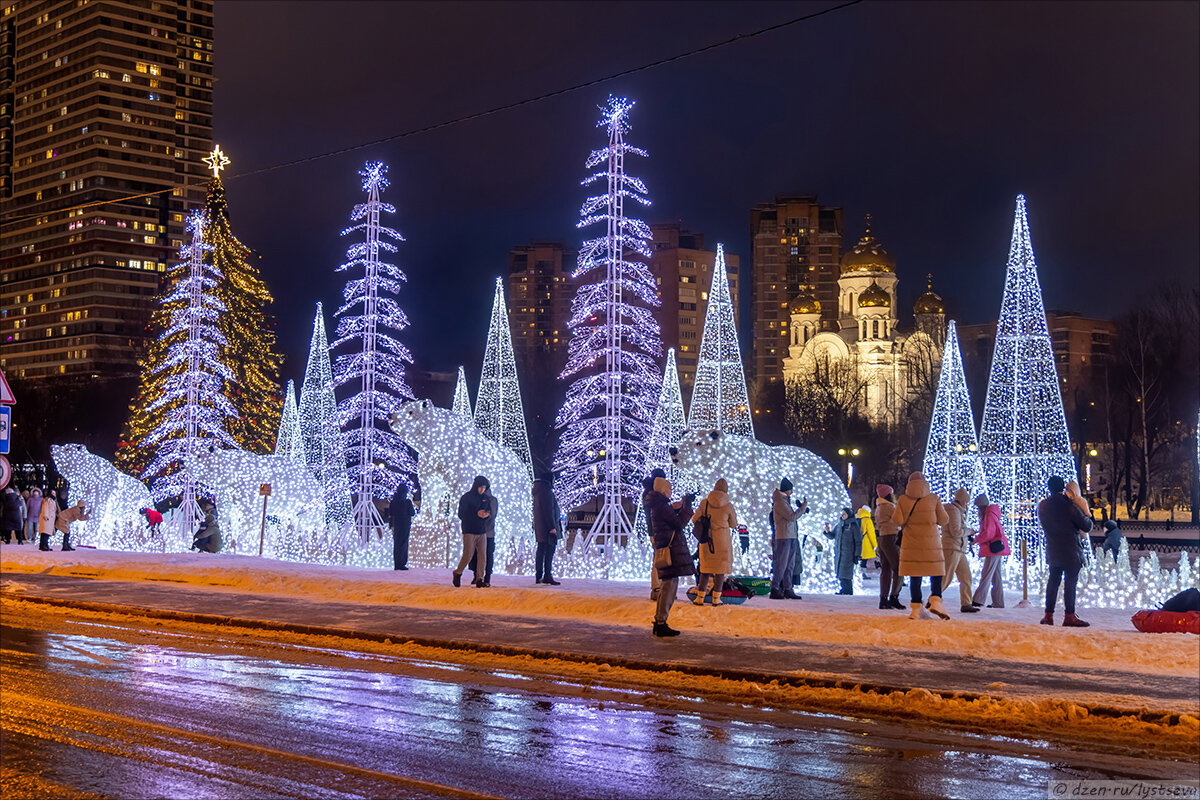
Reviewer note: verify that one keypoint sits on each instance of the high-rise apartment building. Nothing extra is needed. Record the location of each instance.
(683, 269)
(539, 293)
(105, 117)
(796, 243)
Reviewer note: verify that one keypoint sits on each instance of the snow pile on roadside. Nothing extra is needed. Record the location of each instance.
(1005, 634)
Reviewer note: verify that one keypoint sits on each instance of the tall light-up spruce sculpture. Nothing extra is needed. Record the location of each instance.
(372, 365)
(288, 441)
(320, 432)
(197, 410)
(615, 342)
(1024, 438)
(666, 432)
(952, 450)
(499, 413)
(719, 397)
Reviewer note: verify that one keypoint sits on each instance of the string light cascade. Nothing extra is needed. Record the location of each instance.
(320, 433)
(499, 413)
(1024, 437)
(719, 397)
(951, 450)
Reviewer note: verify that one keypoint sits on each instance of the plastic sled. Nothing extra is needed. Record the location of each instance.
(1167, 621)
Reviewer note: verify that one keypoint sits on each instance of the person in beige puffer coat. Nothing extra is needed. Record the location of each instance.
(889, 552)
(716, 556)
(63, 521)
(954, 550)
(920, 515)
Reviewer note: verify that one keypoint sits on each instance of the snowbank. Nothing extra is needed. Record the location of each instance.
(1010, 634)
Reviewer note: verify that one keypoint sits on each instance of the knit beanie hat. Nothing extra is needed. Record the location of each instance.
(785, 485)
(883, 490)
(1055, 484)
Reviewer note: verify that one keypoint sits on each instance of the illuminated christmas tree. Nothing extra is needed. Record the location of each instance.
(1024, 438)
(192, 411)
(250, 350)
(615, 341)
(247, 352)
(952, 451)
(288, 441)
(462, 399)
(498, 410)
(320, 433)
(719, 397)
(372, 360)
(669, 426)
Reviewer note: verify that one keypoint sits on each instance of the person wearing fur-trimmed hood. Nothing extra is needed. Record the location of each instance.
(847, 543)
(716, 555)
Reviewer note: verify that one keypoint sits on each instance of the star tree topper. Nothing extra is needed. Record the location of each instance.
(217, 161)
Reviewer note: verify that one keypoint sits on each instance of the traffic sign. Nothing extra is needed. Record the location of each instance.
(5, 472)
(6, 395)
(5, 428)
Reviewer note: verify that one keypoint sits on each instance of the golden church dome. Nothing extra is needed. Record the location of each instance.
(868, 255)
(930, 302)
(874, 297)
(805, 302)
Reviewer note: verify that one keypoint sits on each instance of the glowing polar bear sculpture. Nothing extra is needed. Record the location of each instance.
(113, 498)
(296, 500)
(753, 471)
(451, 451)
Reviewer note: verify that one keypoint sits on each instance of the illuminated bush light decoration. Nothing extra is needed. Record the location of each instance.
(615, 341)
(499, 413)
(462, 398)
(753, 471)
(197, 410)
(952, 451)
(719, 397)
(1024, 436)
(288, 441)
(320, 433)
(369, 318)
(451, 451)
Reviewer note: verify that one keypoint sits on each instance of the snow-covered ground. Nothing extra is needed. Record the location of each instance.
(1009, 634)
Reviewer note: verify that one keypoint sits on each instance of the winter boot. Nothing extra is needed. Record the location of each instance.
(553, 582)
(44, 542)
(1048, 619)
(775, 595)
(894, 602)
(458, 579)
(935, 605)
(970, 608)
(918, 612)
(1072, 621)
(663, 629)
(698, 600)
(884, 605)
(67, 544)
(717, 600)
(790, 594)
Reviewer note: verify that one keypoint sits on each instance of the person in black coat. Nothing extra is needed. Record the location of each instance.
(1066, 526)
(546, 529)
(667, 521)
(401, 512)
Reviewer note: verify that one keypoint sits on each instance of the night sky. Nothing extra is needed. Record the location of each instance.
(930, 116)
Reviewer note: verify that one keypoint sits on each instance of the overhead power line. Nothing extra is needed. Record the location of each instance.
(480, 114)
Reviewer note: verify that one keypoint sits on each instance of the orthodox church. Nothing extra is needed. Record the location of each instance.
(865, 350)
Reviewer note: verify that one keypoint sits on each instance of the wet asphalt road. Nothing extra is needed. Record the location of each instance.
(110, 710)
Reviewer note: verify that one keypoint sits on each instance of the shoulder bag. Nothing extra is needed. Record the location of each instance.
(662, 555)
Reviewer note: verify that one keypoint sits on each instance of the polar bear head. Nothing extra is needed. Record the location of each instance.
(699, 451)
(428, 429)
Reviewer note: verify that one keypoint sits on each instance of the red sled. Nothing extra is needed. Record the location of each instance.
(1167, 621)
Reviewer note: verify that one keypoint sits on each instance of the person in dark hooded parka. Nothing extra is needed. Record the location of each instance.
(1066, 526)
(401, 512)
(546, 529)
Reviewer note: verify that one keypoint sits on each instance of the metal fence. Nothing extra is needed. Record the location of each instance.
(1158, 544)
